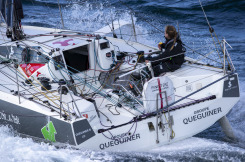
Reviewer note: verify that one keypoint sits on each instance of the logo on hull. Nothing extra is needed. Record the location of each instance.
(201, 114)
(64, 43)
(49, 132)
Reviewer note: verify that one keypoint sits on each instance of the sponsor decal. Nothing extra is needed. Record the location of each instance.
(85, 115)
(38, 73)
(202, 113)
(82, 134)
(231, 87)
(162, 86)
(92, 117)
(82, 131)
(49, 132)
(119, 139)
(9, 118)
(30, 68)
(64, 43)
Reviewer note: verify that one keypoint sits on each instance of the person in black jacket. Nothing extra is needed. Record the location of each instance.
(173, 56)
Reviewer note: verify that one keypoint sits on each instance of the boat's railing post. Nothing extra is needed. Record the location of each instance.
(129, 94)
(69, 111)
(170, 122)
(17, 81)
(224, 57)
(130, 72)
(120, 28)
(135, 36)
(60, 101)
(61, 105)
(61, 15)
(227, 54)
(150, 68)
(113, 29)
(73, 101)
(157, 140)
(233, 67)
(159, 115)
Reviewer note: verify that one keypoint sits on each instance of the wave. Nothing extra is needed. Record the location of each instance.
(154, 6)
(208, 5)
(192, 149)
(47, 3)
(176, 9)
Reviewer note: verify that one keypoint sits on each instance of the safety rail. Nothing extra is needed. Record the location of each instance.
(159, 115)
(130, 72)
(129, 94)
(73, 101)
(131, 83)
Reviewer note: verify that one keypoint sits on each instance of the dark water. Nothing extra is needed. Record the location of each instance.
(225, 16)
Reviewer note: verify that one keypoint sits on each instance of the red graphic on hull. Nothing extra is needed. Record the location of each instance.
(85, 115)
(30, 68)
(38, 73)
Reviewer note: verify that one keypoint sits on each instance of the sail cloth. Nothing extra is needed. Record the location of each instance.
(158, 87)
(11, 10)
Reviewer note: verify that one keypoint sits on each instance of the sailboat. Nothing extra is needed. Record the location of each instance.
(70, 88)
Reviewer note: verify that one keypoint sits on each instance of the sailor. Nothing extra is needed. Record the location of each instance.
(173, 56)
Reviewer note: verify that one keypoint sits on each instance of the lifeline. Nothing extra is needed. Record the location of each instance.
(202, 115)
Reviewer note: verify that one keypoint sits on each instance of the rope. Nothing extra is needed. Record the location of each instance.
(153, 114)
(110, 74)
(13, 79)
(201, 54)
(211, 30)
(43, 92)
(206, 56)
(205, 15)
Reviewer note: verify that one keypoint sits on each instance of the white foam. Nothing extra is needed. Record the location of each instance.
(15, 148)
(196, 144)
(89, 17)
(195, 149)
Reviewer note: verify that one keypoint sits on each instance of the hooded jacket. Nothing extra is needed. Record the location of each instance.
(169, 54)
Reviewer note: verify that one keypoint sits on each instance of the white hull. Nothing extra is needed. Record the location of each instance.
(25, 114)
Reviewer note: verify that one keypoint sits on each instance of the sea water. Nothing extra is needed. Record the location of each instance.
(150, 16)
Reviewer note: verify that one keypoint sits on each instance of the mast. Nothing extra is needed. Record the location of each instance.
(12, 12)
